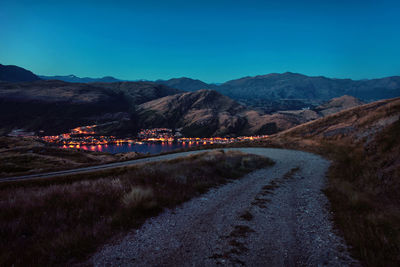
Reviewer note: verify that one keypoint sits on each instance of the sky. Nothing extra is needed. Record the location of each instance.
(213, 41)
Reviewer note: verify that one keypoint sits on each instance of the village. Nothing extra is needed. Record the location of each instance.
(86, 135)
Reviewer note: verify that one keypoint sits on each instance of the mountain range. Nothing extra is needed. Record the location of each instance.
(257, 91)
(74, 79)
(289, 85)
(56, 106)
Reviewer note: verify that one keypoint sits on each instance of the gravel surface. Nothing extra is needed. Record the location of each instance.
(272, 217)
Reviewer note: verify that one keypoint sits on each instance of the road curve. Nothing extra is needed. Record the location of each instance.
(276, 216)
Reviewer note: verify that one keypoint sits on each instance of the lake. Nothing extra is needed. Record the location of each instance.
(152, 148)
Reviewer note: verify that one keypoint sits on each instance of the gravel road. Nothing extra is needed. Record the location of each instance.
(272, 217)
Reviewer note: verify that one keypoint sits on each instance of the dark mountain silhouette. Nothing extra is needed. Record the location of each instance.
(57, 106)
(297, 86)
(292, 86)
(11, 73)
(139, 92)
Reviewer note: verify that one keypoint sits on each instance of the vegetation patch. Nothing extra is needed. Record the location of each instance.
(365, 202)
(19, 156)
(61, 221)
(363, 186)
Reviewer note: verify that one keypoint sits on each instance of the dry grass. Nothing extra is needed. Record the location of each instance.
(139, 198)
(363, 190)
(19, 156)
(363, 144)
(62, 221)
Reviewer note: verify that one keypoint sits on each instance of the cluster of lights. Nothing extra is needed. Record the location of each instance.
(82, 137)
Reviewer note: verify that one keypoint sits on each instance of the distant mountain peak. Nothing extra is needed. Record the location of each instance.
(12, 73)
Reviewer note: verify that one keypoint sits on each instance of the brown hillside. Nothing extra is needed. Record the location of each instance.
(208, 113)
(364, 178)
(338, 104)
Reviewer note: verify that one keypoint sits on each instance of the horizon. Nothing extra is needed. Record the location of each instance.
(196, 79)
(249, 76)
(211, 42)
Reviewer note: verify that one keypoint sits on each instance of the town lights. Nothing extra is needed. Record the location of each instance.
(82, 137)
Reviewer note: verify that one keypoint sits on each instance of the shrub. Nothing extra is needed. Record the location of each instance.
(139, 198)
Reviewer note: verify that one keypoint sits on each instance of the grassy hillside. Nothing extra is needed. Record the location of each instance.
(23, 156)
(364, 178)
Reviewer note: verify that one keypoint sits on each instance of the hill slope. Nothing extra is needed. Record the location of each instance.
(201, 113)
(360, 124)
(56, 106)
(209, 113)
(363, 143)
(338, 104)
(10, 73)
(139, 92)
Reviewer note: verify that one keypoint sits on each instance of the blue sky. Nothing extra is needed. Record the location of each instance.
(213, 41)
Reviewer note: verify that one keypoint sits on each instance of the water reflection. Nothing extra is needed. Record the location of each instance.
(152, 148)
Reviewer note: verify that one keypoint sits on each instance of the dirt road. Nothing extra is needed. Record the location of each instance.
(272, 217)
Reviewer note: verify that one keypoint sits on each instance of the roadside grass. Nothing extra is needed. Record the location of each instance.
(363, 190)
(62, 221)
(366, 205)
(19, 156)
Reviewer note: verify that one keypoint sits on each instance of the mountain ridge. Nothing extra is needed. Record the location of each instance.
(289, 85)
(75, 79)
(12, 73)
(57, 106)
